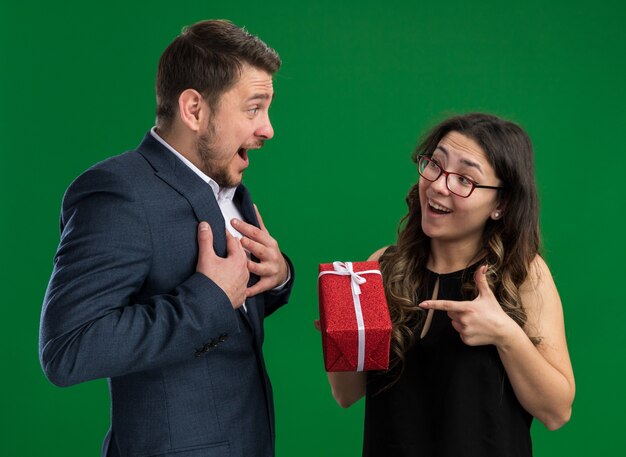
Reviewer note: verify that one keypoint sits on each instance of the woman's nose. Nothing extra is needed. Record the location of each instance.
(440, 184)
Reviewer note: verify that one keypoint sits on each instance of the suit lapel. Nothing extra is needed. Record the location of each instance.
(243, 201)
(188, 184)
(202, 200)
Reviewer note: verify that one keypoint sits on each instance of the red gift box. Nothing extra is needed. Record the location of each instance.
(356, 327)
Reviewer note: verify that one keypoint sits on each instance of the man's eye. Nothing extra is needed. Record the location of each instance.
(253, 110)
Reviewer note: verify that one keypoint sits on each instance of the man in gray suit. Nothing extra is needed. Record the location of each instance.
(165, 270)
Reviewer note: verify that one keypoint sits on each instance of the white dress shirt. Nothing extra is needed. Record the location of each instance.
(223, 196)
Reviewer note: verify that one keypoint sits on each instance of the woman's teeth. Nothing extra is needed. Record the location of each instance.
(438, 207)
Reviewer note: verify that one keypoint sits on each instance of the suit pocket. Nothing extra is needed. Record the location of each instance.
(221, 449)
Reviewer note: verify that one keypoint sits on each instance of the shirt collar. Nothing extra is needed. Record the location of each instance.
(225, 193)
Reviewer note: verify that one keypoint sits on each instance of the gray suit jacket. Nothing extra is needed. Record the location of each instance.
(186, 371)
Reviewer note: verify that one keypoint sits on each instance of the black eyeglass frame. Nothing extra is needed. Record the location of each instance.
(429, 161)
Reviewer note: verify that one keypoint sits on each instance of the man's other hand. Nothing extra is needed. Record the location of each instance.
(272, 267)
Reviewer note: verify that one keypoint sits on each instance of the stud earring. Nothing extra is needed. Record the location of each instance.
(496, 215)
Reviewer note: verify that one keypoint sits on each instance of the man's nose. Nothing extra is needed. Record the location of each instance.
(265, 130)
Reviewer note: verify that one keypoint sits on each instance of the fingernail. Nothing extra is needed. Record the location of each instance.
(234, 221)
(423, 305)
(204, 226)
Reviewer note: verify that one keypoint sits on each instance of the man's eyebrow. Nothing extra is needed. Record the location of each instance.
(464, 161)
(260, 96)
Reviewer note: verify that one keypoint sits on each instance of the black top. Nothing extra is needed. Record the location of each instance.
(450, 400)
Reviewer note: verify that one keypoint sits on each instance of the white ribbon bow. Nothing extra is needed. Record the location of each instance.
(346, 269)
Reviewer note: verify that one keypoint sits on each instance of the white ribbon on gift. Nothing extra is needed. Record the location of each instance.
(346, 269)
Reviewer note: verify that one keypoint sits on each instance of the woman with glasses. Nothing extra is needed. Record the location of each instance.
(478, 342)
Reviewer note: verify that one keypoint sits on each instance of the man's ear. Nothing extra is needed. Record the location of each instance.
(192, 109)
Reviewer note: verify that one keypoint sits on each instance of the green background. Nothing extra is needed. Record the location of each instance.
(359, 84)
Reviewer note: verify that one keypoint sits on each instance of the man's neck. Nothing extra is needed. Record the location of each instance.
(184, 145)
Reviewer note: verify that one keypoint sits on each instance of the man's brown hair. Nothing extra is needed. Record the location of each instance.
(207, 56)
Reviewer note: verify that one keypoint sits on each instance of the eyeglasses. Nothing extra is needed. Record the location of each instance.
(456, 183)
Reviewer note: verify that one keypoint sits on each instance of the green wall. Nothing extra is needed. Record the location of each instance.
(359, 84)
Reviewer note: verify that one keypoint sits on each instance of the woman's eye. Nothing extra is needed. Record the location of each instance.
(462, 180)
(434, 163)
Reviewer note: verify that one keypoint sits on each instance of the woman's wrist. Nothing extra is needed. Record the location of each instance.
(509, 335)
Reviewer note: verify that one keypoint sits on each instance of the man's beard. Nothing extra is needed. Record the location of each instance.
(217, 173)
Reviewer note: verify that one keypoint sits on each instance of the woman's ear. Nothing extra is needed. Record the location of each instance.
(499, 210)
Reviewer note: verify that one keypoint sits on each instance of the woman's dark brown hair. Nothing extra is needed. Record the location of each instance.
(509, 244)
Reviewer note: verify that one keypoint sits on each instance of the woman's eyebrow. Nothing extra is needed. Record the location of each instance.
(472, 164)
(464, 161)
(442, 149)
